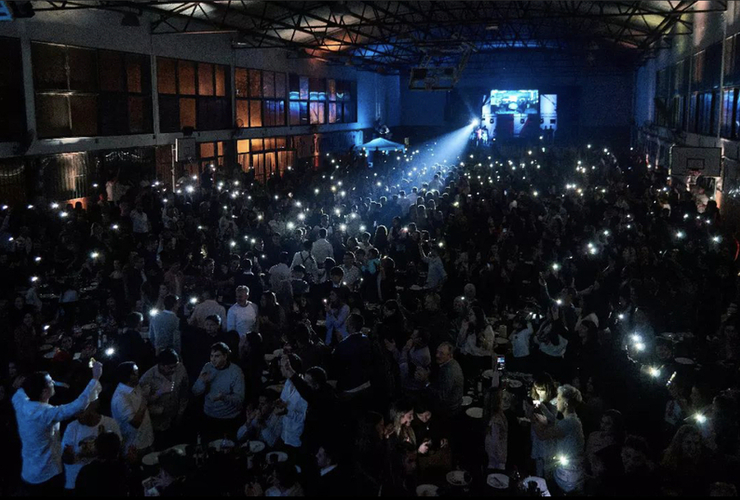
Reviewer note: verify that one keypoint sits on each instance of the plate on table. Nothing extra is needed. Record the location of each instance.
(498, 481)
(684, 361)
(474, 412)
(320, 322)
(90, 326)
(151, 459)
(514, 384)
(46, 347)
(183, 448)
(275, 387)
(50, 354)
(269, 357)
(221, 444)
(277, 353)
(488, 373)
(427, 490)
(279, 456)
(458, 478)
(467, 401)
(501, 341)
(254, 446)
(541, 484)
(415, 287)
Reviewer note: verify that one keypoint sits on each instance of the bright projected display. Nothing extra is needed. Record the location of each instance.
(517, 113)
(514, 101)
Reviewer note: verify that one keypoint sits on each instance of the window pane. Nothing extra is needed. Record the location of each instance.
(242, 113)
(135, 65)
(279, 84)
(84, 115)
(267, 114)
(349, 113)
(241, 81)
(317, 88)
(304, 112)
(280, 113)
(113, 117)
(111, 71)
(269, 143)
(186, 73)
(169, 113)
(304, 88)
(294, 86)
(317, 112)
(257, 145)
(333, 112)
(279, 142)
(340, 114)
(220, 80)
(295, 115)
(49, 68)
(220, 148)
(138, 115)
(187, 113)
(206, 150)
(332, 85)
(255, 83)
(255, 117)
(242, 146)
(268, 84)
(166, 82)
(205, 79)
(83, 69)
(52, 115)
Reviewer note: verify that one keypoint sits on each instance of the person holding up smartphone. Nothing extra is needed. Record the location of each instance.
(39, 429)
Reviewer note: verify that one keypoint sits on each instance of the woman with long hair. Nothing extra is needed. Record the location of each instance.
(686, 466)
(544, 395)
(380, 240)
(610, 433)
(475, 342)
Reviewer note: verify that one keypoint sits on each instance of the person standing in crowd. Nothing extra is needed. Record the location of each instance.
(167, 391)
(107, 475)
(164, 327)
(222, 383)
(39, 429)
(129, 409)
(446, 389)
(321, 248)
(208, 307)
(242, 316)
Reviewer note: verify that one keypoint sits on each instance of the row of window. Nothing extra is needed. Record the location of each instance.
(81, 92)
(700, 113)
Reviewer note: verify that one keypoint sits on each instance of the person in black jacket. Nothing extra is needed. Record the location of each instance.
(107, 475)
(333, 478)
(321, 417)
(351, 364)
(131, 347)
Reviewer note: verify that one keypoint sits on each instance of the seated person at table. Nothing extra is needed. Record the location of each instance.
(222, 383)
(78, 447)
(107, 475)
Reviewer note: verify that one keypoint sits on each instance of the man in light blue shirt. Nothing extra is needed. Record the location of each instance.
(38, 427)
(164, 327)
(222, 382)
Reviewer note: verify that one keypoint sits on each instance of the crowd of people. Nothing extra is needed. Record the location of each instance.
(541, 321)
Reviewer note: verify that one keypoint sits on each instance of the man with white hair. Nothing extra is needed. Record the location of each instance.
(242, 316)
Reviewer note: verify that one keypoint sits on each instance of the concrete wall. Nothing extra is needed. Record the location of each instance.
(377, 94)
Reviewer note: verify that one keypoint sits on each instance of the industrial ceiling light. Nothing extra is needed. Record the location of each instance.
(131, 20)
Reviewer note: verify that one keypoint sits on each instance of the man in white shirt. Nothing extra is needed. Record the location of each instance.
(321, 248)
(295, 418)
(78, 443)
(307, 260)
(242, 316)
(129, 409)
(38, 427)
(209, 307)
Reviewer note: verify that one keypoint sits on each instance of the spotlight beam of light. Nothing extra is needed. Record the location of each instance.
(446, 147)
